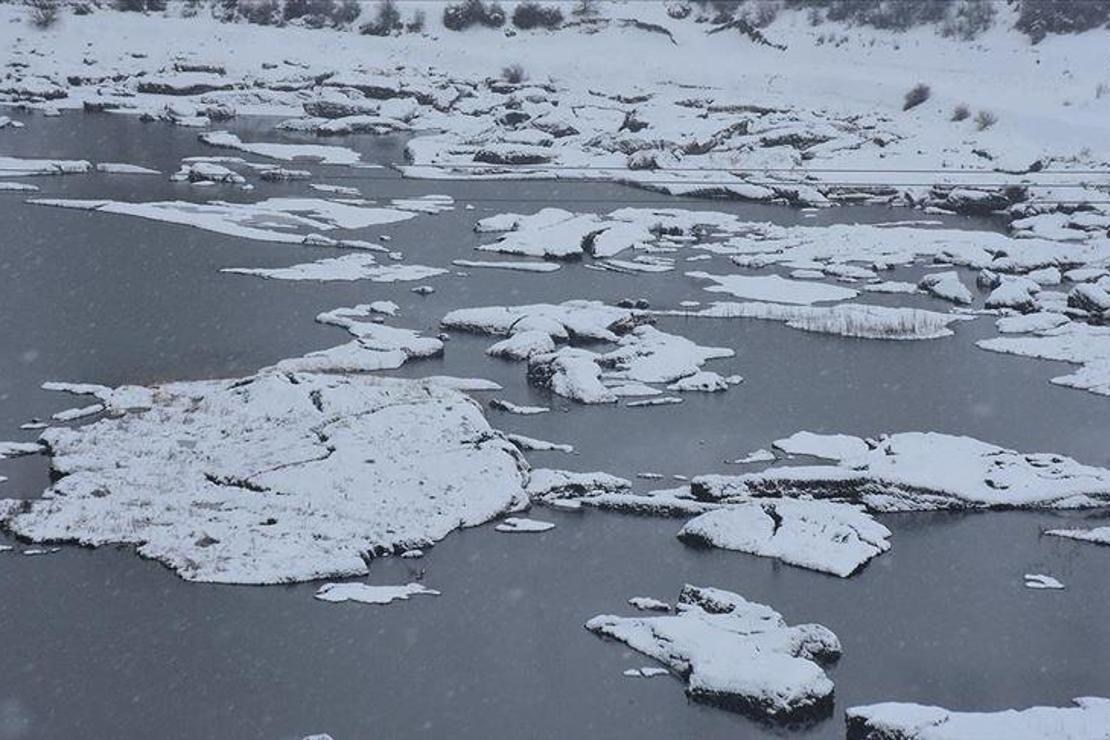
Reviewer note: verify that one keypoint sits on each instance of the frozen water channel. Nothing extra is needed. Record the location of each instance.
(100, 643)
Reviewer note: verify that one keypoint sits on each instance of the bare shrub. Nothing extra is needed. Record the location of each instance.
(416, 23)
(961, 112)
(984, 119)
(387, 19)
(968, 18)
(473, 12)
(916, 96)
(585, 8)
(43, 13)
(514, 74)
(533, 15)
(261, 12)
(1038, 18)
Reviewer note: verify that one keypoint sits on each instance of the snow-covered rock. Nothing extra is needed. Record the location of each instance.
(734, 653)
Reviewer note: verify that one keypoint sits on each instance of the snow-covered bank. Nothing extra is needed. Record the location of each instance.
(266, 479)
(807, 122)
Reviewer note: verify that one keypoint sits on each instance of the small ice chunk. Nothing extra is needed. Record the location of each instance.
(539, 445)
(659, 401)
(78, 413)
(827, 446)
(649, 604)
(520, 524)
(759, 456)
(18, 449)
(1097, 535)
(646, 672)
(366, 594)
(1039, 581)
(512, 408)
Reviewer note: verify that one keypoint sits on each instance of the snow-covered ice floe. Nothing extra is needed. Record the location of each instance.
(21, 167)
(267, 479)
(916, 471)
(735, 653)
(18, 449)
(1077, 343)
(364, 593)
(349, 267)
(1097, 535)
(857, 320)
(643, 354)
(1088, 719)
(775, 288)
(284, 220)
(375, 347)
(322, 153)
(646, 672)
(520, 524)
(1042, 582)
(827, 536)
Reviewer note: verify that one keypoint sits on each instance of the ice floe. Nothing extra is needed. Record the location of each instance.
(1074, 342)
(508, 265)
(775, 288)
(364, 593)
(827, 536)
(856, 320)
(348, 267)
(946, 285)
(649, 604)
(21, 167)
(520, 524)
(512, 408)
(1042, 582)
(915, 471)
(271, 479)
(286, 220)
(758, 456)
(1086, 720)
(324, 154)
(1097, 535)
(735, 653)
(541, 445)
(18, 449)
(122, 168)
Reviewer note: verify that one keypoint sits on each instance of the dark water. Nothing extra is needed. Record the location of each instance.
(102, 644)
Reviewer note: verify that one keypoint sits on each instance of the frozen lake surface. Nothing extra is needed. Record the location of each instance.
(100, 643)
